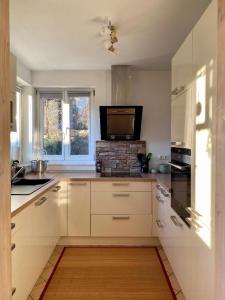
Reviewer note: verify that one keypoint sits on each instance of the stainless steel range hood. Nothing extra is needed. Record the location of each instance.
(121, 84)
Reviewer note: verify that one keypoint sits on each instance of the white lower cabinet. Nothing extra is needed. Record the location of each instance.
(35, 236)
(189, 250)
(62, 208)
(120, 203)
(121, 225)
(24, 264)
(79, 205)
(121, 209)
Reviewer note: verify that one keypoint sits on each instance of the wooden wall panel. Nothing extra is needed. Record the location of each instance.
(220, 159)
(5, 232)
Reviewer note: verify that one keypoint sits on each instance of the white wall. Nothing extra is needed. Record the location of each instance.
(23, 74)
(152, 90)
(149, 88)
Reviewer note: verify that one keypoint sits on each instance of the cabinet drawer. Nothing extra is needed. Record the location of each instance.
(121, 225)
(131, 186)
(121, 203)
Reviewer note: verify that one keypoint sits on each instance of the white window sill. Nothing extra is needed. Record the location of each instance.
(71, 166)
(72, 163)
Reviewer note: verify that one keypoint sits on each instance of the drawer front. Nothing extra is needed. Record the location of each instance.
(131, 186)
(121, 225)
(21, 218)
(121, 203)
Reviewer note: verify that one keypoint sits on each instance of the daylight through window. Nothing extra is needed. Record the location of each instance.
(65, 125)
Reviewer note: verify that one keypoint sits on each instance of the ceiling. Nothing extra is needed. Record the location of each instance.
(65, 34)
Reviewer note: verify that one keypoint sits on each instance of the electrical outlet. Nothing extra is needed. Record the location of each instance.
(163, 157)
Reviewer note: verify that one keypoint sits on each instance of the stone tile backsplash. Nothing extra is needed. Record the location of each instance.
(120, 156)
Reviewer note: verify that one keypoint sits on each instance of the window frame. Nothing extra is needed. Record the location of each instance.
(18, 143)
(49, 157)
(66, 156)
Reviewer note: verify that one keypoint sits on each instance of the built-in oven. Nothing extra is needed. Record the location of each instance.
(181, 181)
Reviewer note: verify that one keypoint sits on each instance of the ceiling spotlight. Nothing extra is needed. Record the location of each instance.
(110, 34)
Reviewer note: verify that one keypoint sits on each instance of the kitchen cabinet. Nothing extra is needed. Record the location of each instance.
(161, 197)
(62, 208)
(182, 119)
(35, 236)
(121, 209)
(24, 269)
(205, 72)
(79, 205)
(120, 203)
(182, 67)
(188, 249)
(179, 248)
(121, 225)
(120, 186)
(13, 71)
(54, 216)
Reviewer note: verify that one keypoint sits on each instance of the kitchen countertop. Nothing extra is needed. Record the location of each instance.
(19, 202)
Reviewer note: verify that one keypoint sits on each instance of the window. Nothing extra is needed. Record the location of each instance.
(15, 136)
(65, 125)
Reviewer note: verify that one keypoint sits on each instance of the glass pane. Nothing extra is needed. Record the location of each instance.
(79, 123)
(52, 139)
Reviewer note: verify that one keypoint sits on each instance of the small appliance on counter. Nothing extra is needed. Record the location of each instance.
(164, 168)
(39, 166)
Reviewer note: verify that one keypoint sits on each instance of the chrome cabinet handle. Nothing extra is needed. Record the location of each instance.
(177, 143)
(193, 211)
(78, 183)
(41, 201)
(162, 190)
(159, 224)
(178, 167)
(178, 90)
(120, 184)
(159, 199)
(56, 189)
(121, 217)
(13, 291)
(13, 225)
(175, 221)
(159, 187)
(193, 223)
(13, 246)
(120, 195)
(165, 194)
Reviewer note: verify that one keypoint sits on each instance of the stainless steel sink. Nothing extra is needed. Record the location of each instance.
(25, 186)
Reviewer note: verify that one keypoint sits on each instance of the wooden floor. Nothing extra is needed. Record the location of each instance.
(108, 273)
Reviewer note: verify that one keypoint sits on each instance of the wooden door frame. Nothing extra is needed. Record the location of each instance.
(5, 203)
(220, 160)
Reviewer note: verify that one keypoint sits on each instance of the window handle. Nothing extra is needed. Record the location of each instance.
(67, 129)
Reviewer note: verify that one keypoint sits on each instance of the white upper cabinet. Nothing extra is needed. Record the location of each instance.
(182, 108)
(182, 66)
(205, 66)
(182, 119)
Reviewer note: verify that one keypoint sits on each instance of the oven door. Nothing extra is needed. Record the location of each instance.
(181, 189)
